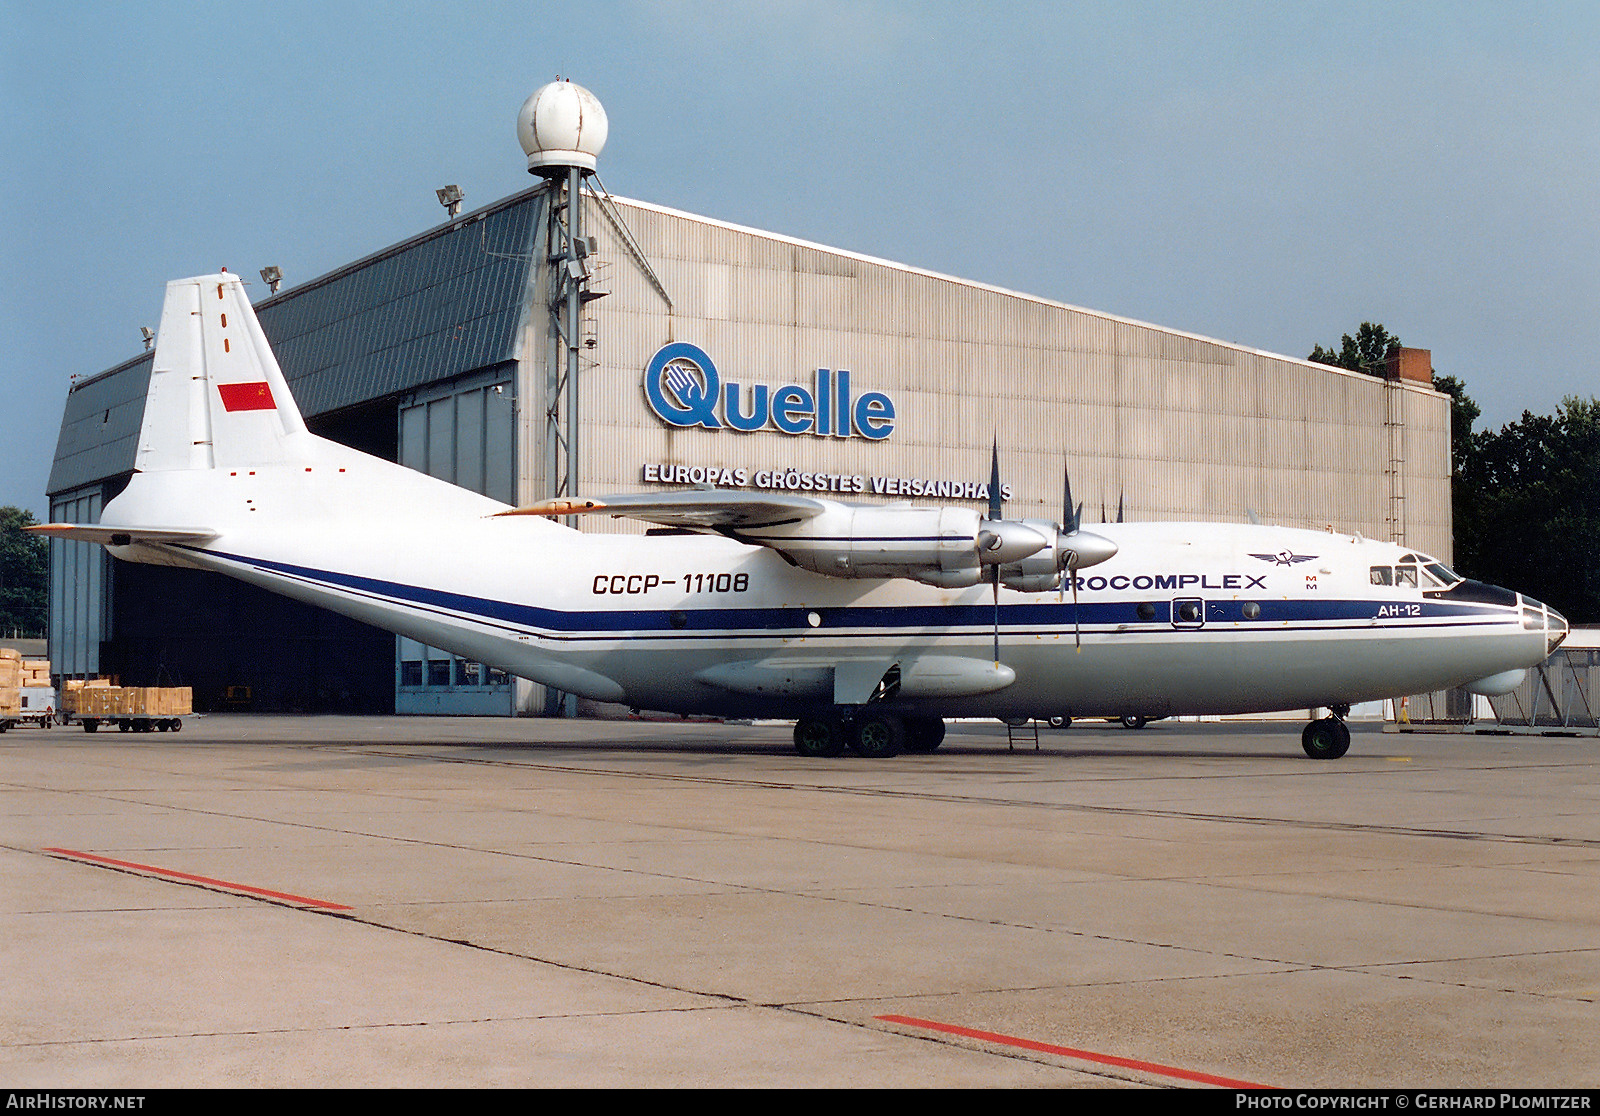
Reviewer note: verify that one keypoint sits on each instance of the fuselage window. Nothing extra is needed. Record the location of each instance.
(1406, 575)
(1147, 611)
(1251, 610)
(1383, 575)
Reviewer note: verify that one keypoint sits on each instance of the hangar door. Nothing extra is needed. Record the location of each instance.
(462, 432)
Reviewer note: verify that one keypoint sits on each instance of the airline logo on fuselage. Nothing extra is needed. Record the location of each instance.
(1176, 581)
(684, 389)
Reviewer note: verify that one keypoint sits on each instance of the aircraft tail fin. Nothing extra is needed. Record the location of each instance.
(223, 443)
(217, 398)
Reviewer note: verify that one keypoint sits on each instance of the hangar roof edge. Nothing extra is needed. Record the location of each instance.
(976, 285)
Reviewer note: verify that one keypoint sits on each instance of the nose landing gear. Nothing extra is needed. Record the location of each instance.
(1328, 738)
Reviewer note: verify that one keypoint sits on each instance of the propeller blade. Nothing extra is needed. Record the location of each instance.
(994, 480)
(1077, 632)
(994, 581)
(994, 515)
(1119, 507)
(1066, 501)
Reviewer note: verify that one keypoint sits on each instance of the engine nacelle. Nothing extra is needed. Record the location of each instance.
(936, 545)
(951, 548)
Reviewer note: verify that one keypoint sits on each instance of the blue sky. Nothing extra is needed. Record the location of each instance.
(1270, 174)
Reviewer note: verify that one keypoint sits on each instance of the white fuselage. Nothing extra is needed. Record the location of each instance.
(1187, 618)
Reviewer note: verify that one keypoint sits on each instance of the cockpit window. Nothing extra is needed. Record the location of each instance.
(1415, 569)
(1444, 573)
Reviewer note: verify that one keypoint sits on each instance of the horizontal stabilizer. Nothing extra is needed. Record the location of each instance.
(109, 535)
(706, 509)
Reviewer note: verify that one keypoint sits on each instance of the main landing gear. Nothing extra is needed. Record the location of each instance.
(1328, 738)
(867, 733)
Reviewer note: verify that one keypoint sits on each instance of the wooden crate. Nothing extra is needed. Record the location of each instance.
(99, 701)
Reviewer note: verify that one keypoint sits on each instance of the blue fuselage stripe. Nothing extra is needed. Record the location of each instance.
(1120, 616)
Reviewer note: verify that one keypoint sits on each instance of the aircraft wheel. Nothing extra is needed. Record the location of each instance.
(1327, 739)
(1131, 721)
(877, 735)
(818, 736)
(1061, 722)
(924, 734)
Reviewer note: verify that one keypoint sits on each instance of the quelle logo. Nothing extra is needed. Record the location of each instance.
(684, 389)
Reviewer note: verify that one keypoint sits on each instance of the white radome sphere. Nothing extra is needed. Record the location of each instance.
(561, 125)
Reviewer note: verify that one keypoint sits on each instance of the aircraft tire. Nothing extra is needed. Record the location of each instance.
(924, 734)
(877, 735)
(1062, 721)
(1133, 721)
(818, 736)
(1327, 739)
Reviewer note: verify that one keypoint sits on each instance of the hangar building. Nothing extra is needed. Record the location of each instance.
(818, 369)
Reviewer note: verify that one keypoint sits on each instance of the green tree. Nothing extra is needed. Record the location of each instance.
(24, 575)
(1371, 347)
(1463, 413)
(1527, 508)
(1365, 352)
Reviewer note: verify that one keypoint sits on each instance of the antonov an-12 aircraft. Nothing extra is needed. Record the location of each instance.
(867, 624)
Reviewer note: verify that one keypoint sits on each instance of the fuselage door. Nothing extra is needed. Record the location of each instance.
(1188, 612)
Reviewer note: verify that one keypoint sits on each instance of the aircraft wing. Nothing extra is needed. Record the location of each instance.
(698, 509)
(943, 546)
(111, 535)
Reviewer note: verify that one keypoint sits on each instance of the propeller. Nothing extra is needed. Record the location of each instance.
(1076, 548)
(994, 517)
(1041, 548)
(1069, 526)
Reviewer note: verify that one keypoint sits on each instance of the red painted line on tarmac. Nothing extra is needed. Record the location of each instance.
(169, 873)
(1069, 1052)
